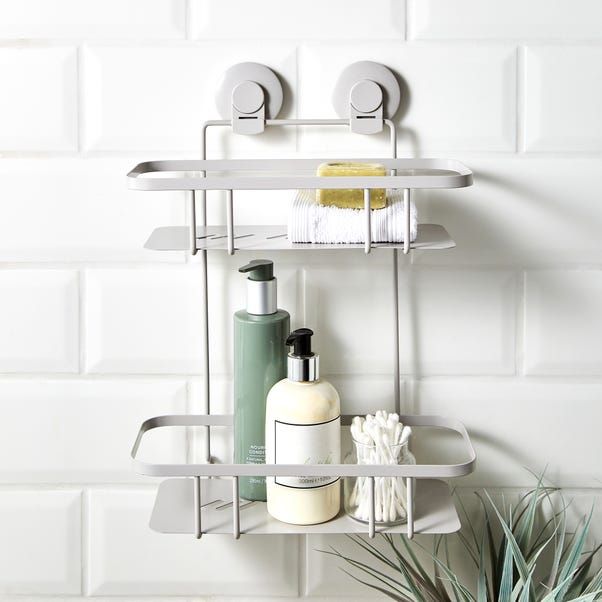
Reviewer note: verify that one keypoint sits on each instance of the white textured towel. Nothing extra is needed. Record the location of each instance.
(310, 222)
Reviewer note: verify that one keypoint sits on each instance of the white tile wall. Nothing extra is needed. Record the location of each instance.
(71, 422)
(80, 210)
(458, 322)
(130, 19)
(464, 101)
(40, 551)
(127, 558)
(28, 75)
(352, 319)
(170, 93)
(518, 425)
(143, 321)
(500, 331)
(347, 19)
(521, 211)
(563, 94)
(39, 321)
(488, 19)
(563, 322)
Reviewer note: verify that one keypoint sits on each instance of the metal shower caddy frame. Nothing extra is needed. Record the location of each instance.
(419, 174)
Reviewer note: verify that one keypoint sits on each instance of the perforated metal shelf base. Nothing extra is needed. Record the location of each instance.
(173, 512)
(274, 238)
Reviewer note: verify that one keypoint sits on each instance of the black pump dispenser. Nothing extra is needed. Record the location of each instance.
(303, 365)
(300, 340)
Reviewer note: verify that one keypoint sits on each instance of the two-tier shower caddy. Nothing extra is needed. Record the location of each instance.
(249, 98)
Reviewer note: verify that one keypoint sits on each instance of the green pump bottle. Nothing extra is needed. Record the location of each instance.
(260, 333)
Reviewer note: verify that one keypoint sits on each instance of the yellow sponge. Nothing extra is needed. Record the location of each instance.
(348, 198)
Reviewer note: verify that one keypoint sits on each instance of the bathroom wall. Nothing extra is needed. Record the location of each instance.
(97, 334)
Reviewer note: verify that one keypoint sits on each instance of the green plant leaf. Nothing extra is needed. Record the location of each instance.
(525, 522)
(525, 591)
(552, 579)
(519, 559)
(496, 556)
(428, 583)
(387, 593)
(439, 581)
(482, 581)
(469, 523)
(373, 550)
(595, 584)
(570, 565)
(582, 574)
(507, 576)
(375, 574)
(586, 598)
(460, 591)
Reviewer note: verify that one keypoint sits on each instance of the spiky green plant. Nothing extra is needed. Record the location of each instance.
(519, 553)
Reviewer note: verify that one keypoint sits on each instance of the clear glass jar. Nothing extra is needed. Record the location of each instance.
(390, 494)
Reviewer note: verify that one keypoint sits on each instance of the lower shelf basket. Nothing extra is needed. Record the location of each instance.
(204, 498)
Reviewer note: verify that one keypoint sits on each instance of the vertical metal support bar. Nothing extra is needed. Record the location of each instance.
(406, 220)
(197, 508)
(368, 242)
(371, 519)
(205, 305)
(206, 360)
(410, 481)
(192, 226)
(235, 509)
(230, 220)
(392, 137)
(396, 369)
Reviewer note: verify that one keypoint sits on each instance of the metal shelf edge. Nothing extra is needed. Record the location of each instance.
(435, 512)
(419, 471)
(431, 237)
(176, 175)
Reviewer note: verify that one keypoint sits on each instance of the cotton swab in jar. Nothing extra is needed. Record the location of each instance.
(379, 439)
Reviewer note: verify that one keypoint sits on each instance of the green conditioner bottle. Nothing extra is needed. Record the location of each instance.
(260, 333)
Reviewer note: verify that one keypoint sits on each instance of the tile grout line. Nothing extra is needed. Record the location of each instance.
(84, 537)
(302, 293)
(188, 439)
(82, 338)
(79, 98)
(521, 325)
(187, 9)
(296, 95)
(520, 99)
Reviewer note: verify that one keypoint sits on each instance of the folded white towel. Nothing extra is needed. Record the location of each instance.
(310, 222)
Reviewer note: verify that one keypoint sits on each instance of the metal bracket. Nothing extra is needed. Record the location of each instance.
(248, 95)
(366, 93)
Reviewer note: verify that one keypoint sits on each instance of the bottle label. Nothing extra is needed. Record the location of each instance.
(307, 444)
(256, 455)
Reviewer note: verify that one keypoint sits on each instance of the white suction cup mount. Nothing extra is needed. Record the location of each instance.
(248, 94)
(366, 93)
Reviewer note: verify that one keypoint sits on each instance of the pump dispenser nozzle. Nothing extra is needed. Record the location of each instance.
(303, 365)
(261, 287)
(300, 340)
(260, 269)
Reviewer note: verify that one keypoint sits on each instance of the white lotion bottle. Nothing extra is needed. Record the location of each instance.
(303, 426)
